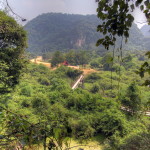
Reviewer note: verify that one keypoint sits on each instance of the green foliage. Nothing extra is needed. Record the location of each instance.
(77, 57)
(57, 58)
(132, 99)
(68, 73)
(95, 88)
(127, 59)
(59, 107)
(79, 32)
(40, 102)
(43, 104)
(81, 128)
(107, 62)
(145, 68)
(94, 64)
(26, 90)
(44, 81)
(73, 73)
(55, 110)
(112, 84)
(112, 121)
(138, 142)
(112, 11)
(92, 77)
(12, 43)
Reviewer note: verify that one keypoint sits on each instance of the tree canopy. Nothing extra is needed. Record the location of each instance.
(12, 45)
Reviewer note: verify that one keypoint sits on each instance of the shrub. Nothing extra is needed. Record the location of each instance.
(44, 81)
(26, 90)
(92, 78)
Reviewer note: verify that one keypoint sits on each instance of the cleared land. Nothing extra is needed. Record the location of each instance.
(85, 70)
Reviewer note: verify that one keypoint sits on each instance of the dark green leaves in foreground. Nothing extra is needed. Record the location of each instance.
(116, 21)
(12, 45)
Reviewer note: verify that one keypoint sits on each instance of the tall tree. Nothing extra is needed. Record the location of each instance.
(57, 58)
(132, 99)
(12, 62)
(12, 57)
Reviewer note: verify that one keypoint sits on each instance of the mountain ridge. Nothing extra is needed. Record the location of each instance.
(146, 31)
(56, 31)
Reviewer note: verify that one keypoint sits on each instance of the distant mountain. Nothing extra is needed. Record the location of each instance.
(146, 30)
(56, 31)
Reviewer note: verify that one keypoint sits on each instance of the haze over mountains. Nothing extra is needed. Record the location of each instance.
(146, 30)
(56, 31)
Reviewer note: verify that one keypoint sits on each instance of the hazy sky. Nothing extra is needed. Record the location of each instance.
(29, 9)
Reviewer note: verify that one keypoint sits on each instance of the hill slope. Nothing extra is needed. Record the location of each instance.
(55, 31)
(146, 30)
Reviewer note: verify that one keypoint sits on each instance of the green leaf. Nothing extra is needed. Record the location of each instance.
(142, 7)
(132, 7)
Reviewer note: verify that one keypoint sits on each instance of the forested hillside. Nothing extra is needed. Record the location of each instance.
(45, 108)
(56, 31)
(40, 109)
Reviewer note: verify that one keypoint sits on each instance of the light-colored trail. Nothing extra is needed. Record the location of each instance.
(147, 113)
(77, 82)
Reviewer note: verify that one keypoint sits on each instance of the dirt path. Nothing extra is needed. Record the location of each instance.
(85, 70)
(88, 71)
(147, 113)
(40, 62)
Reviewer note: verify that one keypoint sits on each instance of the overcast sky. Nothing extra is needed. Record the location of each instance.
(29, 9)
